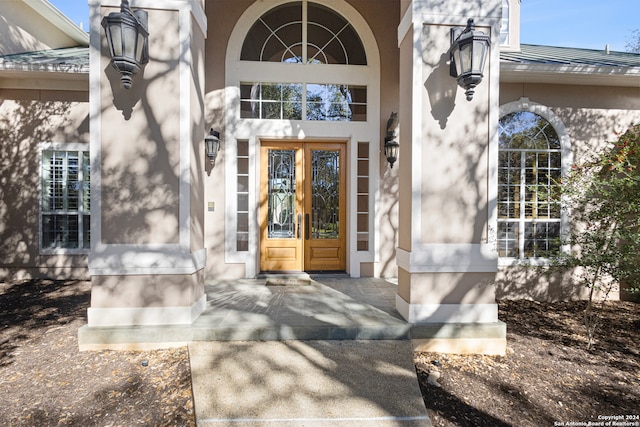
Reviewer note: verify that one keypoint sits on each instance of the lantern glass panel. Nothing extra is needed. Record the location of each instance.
(140, 47)
(129, 37)
(116, 39)
(391, 150)
(212, 146)
(457, 61)
(465, 58)
(479, 55)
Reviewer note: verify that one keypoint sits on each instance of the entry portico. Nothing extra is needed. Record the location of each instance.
(299, 185)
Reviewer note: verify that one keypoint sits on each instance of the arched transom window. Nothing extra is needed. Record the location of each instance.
(530, 168)
(304, 34)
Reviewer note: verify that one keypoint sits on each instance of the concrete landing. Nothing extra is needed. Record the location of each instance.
(306, 383)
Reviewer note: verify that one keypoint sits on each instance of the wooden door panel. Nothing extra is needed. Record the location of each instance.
(325, 202)
(302, 206)
(281, 243)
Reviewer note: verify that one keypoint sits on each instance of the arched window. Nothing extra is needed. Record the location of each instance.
(311, 36)
(529, 172)
(303, 32)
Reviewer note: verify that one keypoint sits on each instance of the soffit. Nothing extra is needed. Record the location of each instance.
(561, 65)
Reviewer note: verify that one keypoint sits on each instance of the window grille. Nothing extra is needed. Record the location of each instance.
(242, 216)
(303, 32)
(65, 200)
(363, 196)
(529, 172)
(297, 101)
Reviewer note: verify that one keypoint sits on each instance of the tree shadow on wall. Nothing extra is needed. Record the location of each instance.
(24, 124)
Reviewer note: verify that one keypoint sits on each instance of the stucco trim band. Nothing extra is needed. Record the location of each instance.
(447, 313)
(115, 260)
(448, 258)
(145, 316)
(194, 7)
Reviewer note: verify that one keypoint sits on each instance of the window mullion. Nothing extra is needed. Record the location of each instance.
(304, 101)
(80, 199)
(305, 17)
(65, 182)
(523, 193)
(534, 193)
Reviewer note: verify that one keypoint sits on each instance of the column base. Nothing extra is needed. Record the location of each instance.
(145, 316)
(460, 338)
(447, 313)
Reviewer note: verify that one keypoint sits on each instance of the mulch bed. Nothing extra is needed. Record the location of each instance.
(546, 378)
(46, 381)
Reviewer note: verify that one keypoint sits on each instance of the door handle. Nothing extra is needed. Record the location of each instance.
(306, 226)
(299, 225)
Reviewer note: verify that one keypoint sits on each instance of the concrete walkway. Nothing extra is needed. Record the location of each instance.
(306, 383)
(334, 353)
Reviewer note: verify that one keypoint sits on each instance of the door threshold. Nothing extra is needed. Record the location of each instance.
(302, 274)
(329, 274)
(283, 275)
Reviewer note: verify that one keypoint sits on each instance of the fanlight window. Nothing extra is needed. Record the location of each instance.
(303, 32)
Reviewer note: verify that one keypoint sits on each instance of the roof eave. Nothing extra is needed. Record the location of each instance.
(6, 68)
(53, 15)
(43, 79)
(569, 74)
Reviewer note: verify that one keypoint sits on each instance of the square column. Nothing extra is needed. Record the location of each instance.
(147, 214)
(446, 257)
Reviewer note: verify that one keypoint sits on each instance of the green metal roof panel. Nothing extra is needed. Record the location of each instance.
(70, 60)
(550, 55)
(76, 59)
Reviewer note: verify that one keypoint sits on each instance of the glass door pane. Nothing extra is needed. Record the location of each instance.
(325, 194)
(281, 194)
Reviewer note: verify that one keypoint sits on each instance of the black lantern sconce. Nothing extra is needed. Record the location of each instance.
(468, 53)
(391, 145)
(212, 146)
(127, 36)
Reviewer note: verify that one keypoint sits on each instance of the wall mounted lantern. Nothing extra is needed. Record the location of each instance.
(468, 54)
(391, 145)
(212, 146)
(127, 36)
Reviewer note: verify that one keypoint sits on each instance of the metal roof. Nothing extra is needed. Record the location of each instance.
(76, 59)
(550, 55)
(64, 60)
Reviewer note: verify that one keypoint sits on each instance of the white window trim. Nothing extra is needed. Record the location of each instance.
(524, 104)
(254, 130)
(58, 146)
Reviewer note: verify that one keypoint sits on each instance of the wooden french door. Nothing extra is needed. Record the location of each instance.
(302, 206)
